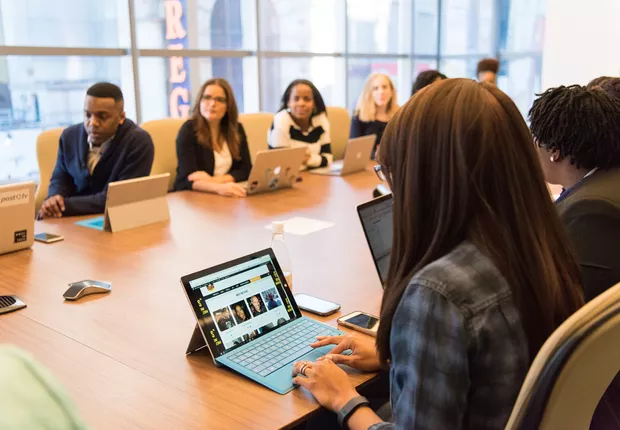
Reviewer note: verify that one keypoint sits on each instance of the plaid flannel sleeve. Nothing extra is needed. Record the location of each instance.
(429, 373)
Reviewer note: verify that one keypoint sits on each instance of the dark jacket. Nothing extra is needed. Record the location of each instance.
(194, 157)
(591, 216)
(129, 155)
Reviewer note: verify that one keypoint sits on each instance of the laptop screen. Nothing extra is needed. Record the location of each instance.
(237, 302)
(376, 218)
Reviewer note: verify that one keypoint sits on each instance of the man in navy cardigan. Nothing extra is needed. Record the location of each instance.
(106, 148)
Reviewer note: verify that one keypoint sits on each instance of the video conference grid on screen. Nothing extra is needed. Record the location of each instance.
(244, 302)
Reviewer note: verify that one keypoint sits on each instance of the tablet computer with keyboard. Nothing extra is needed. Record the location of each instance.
(248, 319)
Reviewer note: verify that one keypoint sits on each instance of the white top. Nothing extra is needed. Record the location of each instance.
(285, 133)
(222, 161)
(95, 152)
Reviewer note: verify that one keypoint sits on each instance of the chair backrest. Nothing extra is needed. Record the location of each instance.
(573, 369)
(340, 125)
(256, 126)
(164, 134)
(47, 152)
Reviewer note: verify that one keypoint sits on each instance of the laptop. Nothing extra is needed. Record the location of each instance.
(133, 203)
(274, 169)
(376, 219)
(16, 216)
(356, 158)
(248, 319)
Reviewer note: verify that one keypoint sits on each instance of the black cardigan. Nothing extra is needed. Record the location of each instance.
(193, 156)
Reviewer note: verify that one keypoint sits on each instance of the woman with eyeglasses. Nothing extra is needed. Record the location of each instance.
(481, 271)
(212, 148)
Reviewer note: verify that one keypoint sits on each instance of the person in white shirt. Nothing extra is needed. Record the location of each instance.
(302, 122)
(212, 147)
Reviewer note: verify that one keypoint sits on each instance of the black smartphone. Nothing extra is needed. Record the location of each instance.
(361, 321)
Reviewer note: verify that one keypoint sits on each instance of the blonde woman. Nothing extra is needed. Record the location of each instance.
(375, 107)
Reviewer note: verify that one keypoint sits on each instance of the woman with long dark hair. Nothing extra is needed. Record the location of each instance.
(481, 271)
(212, 148)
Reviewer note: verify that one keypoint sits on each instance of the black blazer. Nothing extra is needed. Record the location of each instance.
(192, 156)
(591, 215)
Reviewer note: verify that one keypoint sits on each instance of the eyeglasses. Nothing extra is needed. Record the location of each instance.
(380, 173)
(221, 100)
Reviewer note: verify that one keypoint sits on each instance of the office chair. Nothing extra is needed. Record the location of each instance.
(47, 152)
(573, 369)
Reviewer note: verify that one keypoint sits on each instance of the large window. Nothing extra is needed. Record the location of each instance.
(65, 23)
(521, 30)
(52, 51)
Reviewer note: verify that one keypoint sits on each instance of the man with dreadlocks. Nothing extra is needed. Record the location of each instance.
(610, 85)
(577, 131)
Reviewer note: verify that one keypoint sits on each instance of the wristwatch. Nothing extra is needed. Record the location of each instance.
(345, 413)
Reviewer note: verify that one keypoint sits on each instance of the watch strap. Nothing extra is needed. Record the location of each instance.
(347, 410)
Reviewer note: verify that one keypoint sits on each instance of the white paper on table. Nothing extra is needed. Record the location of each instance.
(302, 226)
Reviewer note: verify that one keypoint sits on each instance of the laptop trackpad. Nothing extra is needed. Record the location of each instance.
(282, 379)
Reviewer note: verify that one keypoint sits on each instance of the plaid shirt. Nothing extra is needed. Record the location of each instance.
(459, 352)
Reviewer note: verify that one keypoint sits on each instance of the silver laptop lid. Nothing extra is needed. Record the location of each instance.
(274, 169)
(16, 216)
(357, 153)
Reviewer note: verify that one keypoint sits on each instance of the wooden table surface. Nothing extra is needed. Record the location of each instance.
(122, 355)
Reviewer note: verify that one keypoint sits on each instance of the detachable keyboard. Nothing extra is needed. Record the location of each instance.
(266, 355)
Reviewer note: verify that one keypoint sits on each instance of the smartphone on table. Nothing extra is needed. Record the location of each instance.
(360, 321)
(48, 237)
(315, 305)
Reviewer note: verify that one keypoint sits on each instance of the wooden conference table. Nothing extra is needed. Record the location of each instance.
(122, 357)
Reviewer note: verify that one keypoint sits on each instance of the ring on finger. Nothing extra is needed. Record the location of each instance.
(302, 371)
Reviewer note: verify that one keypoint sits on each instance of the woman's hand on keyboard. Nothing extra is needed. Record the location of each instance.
(363, 356)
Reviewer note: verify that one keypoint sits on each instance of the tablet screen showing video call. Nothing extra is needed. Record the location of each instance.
(240, 301)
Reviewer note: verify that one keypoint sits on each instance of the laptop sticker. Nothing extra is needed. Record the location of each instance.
(21, 236)
(15, 197)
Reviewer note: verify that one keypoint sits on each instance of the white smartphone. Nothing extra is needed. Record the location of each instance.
(316, 305)
(48, 237)
(361, 321)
